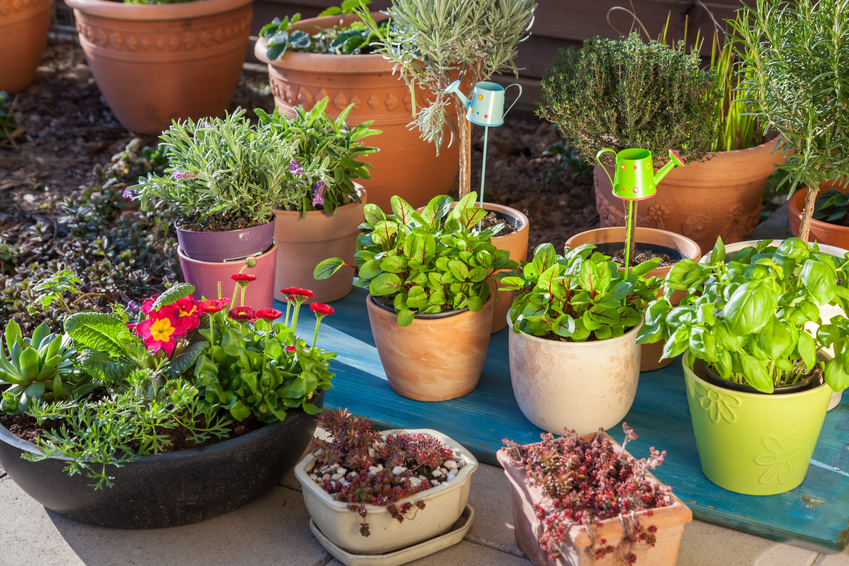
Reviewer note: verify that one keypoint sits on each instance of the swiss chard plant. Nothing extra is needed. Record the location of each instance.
(744, 316)
(431, 261)
(578, 297)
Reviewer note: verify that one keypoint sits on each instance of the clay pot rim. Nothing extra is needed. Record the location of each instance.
(524, 222)
(271, 221)
(15, 8)
(584, 344)
(796, 204)
(236, 262)
(361, 192)
(153, 12)
(689, 242)
(340, 506)
(427, 316)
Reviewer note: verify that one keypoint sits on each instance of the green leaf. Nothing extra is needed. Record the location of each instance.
(186, 359)
(594, 278)
(458, 269)
(173, 294)
(386, 284)
(327, 268)
(754, 370)
(97, 331)
(717, 254)
(405, 317)
(807, 348)
(837, 372)
(750, 307)
(402, 210)
(373, 214)
(819, 281)
(393, 264)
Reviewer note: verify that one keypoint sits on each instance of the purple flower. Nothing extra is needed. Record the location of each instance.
(205, 125)
(318, 191)
(177, 174)
(128, 193)
(295, 167)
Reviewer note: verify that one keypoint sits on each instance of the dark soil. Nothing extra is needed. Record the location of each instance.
(640, 257)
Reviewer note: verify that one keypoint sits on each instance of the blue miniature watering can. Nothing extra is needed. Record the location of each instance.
(635, 179)
(486, 107)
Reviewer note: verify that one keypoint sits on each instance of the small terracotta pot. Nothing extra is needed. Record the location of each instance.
(574, 385)
(406, 165)
(305, 241)
(717, 197)
(669, 520)
(155, 63)
(515, 243)
(822, 232)
(205, 276)
(227, 245)
(650, 358)
(23, 35)
(433, 359)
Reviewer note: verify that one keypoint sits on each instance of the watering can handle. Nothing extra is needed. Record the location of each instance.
(598, 158)
(517, 96)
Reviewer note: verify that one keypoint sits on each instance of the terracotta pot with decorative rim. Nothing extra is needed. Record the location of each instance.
(305, 241)
(438, 357)
(650, 358)
(23, 35)
(155, 63)
(718, 197)
(406, 165)
(822, 232)
(517, 244)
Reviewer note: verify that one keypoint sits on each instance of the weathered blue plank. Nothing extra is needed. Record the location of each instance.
(811, 515)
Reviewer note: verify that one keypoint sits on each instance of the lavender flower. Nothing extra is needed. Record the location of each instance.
(318, 191)
(177, 174)
(128, 193)
(295, 167)
(206, 125)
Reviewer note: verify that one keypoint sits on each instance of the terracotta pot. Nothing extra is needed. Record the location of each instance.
(23, 35)
(406, 165)
(822, 232)
(155, 63)
(669, 520)
(443, 505)
(303, 242)
(650, 358)
(718, 197)
(206, 275)
(515, 243)
(433, 359)
(574, 385)
(227, 245)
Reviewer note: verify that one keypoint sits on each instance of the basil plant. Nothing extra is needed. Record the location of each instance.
(744, 316)
(431, 261)
(578, 297)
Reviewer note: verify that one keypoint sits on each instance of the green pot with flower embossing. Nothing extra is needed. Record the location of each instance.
(754, 443)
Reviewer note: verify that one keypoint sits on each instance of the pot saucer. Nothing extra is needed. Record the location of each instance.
(453, 536)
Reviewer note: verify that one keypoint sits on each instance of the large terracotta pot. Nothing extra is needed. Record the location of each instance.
(650, 358)
(577, 551)
(23, 35)
(433, 359)
(155, 63)
(406, 165)
(822, 232)
(517, 244)
(305, 241)
(579, 386)
(206, 275)
(718, 197)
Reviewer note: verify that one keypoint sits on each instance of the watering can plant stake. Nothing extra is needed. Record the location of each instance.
(485, 108)
(635, 180)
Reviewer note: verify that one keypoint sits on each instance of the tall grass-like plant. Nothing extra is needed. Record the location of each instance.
(435, 42)
(794, 63)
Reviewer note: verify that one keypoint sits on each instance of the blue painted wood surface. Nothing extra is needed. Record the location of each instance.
(812, 515)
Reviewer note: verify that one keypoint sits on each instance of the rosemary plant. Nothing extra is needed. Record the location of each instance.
(435, 42)
(794, 59)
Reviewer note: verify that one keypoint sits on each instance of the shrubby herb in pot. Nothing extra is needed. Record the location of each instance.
(429, 262)
(744, 316)
(577, 297)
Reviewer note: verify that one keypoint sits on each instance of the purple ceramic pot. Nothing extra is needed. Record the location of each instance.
(228, 245)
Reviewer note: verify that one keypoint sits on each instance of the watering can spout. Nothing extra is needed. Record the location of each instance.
(674, 161)
(454, 88)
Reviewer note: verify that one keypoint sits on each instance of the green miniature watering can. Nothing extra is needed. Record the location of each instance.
(486, 107)
(635, 179)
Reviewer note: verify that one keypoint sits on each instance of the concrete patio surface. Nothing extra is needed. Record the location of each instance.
(274, 530)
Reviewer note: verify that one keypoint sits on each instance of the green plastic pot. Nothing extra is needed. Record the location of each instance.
(754, 443)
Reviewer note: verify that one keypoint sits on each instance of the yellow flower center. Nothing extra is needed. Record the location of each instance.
(161, 330)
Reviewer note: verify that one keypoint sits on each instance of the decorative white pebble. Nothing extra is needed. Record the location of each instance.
(450, 464)
(452, 474)
(341, 470)
(336, 477)
(415, 482)
(398, 470)
(437, 473)
(434, 483)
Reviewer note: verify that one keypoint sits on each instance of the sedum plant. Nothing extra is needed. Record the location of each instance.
(431, 261)
(744, 316)
(624, 93)
(794, 64)
(577, 297)
(435, 42)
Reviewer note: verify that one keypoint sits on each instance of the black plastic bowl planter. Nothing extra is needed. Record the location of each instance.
(166, 490)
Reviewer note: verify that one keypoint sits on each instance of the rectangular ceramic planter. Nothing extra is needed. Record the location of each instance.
(443, 506)
(669, 521)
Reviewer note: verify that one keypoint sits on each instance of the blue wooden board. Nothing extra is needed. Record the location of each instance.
(814, 515)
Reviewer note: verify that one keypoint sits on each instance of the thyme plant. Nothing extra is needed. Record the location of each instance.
(435, 42)
(623, 93)
(794, 62)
